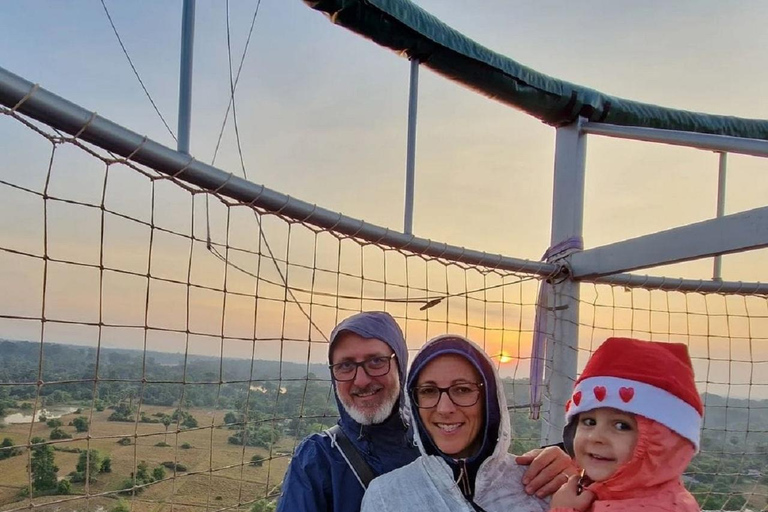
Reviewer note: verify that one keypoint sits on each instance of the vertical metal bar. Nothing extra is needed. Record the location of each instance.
(717, 269)
(567, 222)
(410, 162)
(185, 75)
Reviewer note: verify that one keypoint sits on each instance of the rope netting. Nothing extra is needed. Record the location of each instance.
(164, 347)
(726, 335)
(190, 332)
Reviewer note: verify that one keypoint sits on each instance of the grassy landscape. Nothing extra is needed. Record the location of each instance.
(218, 473)
(212, 407)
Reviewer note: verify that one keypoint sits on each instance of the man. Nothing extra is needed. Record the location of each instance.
(368, 359)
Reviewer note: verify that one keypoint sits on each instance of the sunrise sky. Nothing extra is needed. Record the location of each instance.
(322, 116)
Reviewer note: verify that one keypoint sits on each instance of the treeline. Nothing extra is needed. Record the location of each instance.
(263, 408)
(69, 374)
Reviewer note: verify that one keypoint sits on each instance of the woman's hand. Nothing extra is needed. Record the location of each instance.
(549, 468)
(567, 496)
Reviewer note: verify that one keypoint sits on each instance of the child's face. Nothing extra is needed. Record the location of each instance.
(605, 439)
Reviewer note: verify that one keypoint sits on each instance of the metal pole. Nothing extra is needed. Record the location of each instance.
(743, 146)
(185, 75)
(410, 162)
(567, 222)
(721, 175)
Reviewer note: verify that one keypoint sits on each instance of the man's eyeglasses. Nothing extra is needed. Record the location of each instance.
(465, 394)
(375, 366)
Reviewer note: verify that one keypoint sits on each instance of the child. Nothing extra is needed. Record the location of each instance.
(632, 425)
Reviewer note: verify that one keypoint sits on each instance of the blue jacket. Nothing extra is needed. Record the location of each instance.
(318, 478)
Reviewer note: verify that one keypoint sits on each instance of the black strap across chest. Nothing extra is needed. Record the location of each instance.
(477, 507)
(352, 455)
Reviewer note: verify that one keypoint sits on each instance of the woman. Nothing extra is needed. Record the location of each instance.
(462, 430)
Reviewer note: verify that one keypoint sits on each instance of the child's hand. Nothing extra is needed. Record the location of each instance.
(566, 496)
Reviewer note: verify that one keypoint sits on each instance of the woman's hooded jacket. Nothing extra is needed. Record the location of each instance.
(490, 480)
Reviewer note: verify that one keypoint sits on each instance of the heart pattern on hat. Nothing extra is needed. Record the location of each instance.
(599, 392)
(626, 394)
(653, 379)
(567, 405)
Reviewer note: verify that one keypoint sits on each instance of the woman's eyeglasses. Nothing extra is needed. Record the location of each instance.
(465, 394)
(376, 366)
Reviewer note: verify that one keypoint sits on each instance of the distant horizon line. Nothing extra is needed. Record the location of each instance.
(148, 351)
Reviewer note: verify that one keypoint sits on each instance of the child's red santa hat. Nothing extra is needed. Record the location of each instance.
(648, 378)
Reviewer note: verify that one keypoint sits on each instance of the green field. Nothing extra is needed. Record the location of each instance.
(218, 473)
(730, 471)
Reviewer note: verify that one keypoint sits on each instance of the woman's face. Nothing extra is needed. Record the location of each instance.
(455, 430)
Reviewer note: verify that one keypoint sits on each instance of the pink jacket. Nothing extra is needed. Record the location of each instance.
(650, 481)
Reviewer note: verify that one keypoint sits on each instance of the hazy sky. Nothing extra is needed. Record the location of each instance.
(322, 112)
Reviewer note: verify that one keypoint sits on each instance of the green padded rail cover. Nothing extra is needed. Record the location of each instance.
(408, 29)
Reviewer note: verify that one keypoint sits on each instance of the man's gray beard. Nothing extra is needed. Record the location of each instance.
(379, 415)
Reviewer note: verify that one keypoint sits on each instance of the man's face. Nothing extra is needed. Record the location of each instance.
(368, 400)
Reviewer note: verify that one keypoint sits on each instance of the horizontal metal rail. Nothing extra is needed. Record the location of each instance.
(754, 147)
(678, 284)
(35, 102)
(28, 99)
(738, 232)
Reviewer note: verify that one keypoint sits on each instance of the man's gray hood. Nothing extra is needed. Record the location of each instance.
(379, 325)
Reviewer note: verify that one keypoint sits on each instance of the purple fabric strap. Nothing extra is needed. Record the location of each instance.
(539, 349)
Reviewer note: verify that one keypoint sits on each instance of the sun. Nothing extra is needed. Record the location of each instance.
(504, 358)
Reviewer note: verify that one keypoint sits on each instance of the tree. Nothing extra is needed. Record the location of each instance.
(257, 460)
(736, 502)
(714, 502)
(80, 423)
(158, 473)
(43, 467)
(54, 423)
(183, 417)
(264, 506)
(121, 506)
(58, 433)
(263, 435)
(7, 450)
(141, 478)
(123, 412)
(189, 421)
(167, 423)
(230, 418)
(142, 473)
(89, 460)
(106, 465)
(64, 487)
